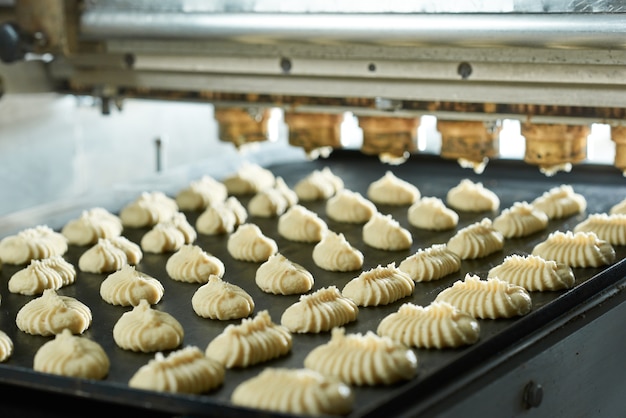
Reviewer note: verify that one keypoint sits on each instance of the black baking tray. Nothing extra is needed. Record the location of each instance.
(512, 181)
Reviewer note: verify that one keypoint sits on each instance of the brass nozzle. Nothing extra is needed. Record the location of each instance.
(240, 126)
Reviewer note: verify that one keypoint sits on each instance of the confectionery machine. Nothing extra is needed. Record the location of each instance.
(428, 90)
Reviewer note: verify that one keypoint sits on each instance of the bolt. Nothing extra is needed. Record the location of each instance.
(129, 60)
(40, 39)
(285, 65)
(464, 70)
(533, 395)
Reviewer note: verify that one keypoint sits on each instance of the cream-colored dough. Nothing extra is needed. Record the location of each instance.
(147, 330)
(335, 253)
(363, 359)
(438, 325)
(72, 356)
(320, 311)
(294, 391)
(186, 370)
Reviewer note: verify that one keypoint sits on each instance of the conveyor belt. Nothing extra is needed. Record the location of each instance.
(512, 181)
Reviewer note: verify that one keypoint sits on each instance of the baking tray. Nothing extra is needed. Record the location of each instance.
(512, 181)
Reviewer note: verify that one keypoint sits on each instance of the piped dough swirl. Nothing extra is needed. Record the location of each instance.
(248, 243)
(392, 190)
(580, 249)
(51, 313)
(438, 325)
(385, 233)
(221, 300)
(294, 391)
(432, 214)
(201, 193)
(148, 209)
(363, 359)
(379, 286)
(476, 240)
(6, 346)
(281, 276)
(487, 299)
(191, 264)
(534, 273)
(254, 341)
(186, 370)
(300, 224)
(520, 220)
(318, 185)
(560, 202)
(472, 197)
(92, 225)
(109, 255)
(32, 244)
(320, 311)
(128, 286)
(335, 253)
(73, 356)
(48, 273)
(350, 207)
(147, 330)
(431, 263)
(610, 228)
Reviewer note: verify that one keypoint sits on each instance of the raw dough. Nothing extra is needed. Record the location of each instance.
(610, 228)
(438, 325)
(294, 391)
(186, 370)
(385, 233)
(91, 225)
(580, 249)
(72, 356)
(51, 313)
(280, 276)
(520, 220)
(201, 193)
(254, 341)
(148, 209)
(432, 214)
(487, 299)
(48, 273)
(320, 311)
(32, 244)
(468, 196)
(335, 253)
(318, 185)
(128, 286)
(147, 330)
(363, 360)
(477, 240)
(534, 273)
(391, 190)
(110, 254)
(560, 202)
(300, 224)
(379, 286)
(191, 264)
(248, 243)
(221, 300)
(349, 207)
(431, 263)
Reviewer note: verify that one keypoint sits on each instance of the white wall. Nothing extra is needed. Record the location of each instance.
(56, 147)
